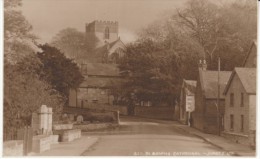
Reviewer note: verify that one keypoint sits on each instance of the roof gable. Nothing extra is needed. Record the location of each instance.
(189, 86)
(250, 52)
(101, 69)
(209, 82)
(247, 77)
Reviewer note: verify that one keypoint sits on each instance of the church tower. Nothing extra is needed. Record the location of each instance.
(104, 31)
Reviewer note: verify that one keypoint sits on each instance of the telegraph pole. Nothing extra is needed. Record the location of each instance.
(218, 102)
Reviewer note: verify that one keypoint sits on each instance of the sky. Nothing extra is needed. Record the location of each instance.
(48, 17)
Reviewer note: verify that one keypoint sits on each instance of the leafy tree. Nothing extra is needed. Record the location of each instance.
(74, 44)
(60, 72)
(18, 39)
(220, 30)
(24, 93)
(154, 72)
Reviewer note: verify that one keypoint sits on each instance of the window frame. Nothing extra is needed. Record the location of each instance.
(231, 99)
(242, 99)
(232, 122)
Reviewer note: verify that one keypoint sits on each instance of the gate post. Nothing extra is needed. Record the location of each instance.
(25, 151)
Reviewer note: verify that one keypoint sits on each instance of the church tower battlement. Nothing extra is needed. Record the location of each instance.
(104, 31)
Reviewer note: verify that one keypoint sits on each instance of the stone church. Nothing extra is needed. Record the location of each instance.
(100, 67)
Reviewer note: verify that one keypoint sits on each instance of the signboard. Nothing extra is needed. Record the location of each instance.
(190, 103)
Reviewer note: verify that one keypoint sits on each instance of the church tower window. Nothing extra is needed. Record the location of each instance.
(107, 33)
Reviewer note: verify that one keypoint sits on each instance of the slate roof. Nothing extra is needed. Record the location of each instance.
(209, 83)
(101, 69)
(190, 86)
(99, 82)
(247, 77)
(100, 52)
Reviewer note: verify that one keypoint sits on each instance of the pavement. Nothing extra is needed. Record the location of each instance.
(221, 142)
(148, 137)
(73, 148)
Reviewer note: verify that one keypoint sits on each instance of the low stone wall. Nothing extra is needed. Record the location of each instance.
(70, 135)
(42, 143)
(13, 148)
(237, 138)
(122, 109)
(91, 127)
(155, 112)
(62, 126)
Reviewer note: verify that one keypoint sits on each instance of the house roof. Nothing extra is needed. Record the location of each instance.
(101, 69)
(247, 77)
(99, 82)
(100, 52)
(209, 82)
(190, 86)
(254, 43)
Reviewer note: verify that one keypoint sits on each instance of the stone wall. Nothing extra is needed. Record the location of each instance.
(91, 127)
(155, 112)
(70, 135)
(122, 109)
(13, 148)
(237, 138)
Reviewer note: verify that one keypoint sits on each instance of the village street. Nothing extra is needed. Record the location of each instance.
(147, 137)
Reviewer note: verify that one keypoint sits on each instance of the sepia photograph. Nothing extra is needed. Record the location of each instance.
(133, 78)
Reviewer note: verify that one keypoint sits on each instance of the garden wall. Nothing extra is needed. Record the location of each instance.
(155, 112)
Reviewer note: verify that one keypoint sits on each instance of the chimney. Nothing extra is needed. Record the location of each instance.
(203, 65)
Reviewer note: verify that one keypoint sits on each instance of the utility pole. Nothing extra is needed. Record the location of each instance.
(218, 102)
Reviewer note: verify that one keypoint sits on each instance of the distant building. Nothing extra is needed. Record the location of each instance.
(100, 67)
(99, 79)
(207, 112)
(187, 100)
(107, 45)
(240, 106)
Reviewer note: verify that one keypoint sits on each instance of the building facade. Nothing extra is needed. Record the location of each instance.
(104, 31)
(187, 100)
(240, 106)
(100, 68)
(208, 115)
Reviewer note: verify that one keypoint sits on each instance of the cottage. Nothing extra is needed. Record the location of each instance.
(99, 79)
(187, 100)
(240, 106)
(208, 116)
(100, 67)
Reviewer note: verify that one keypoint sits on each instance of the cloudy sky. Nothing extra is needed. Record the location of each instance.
(48, 17)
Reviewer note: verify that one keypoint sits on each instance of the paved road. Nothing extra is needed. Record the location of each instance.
(144, 137)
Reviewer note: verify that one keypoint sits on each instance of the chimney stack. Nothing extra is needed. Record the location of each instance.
(203, 65)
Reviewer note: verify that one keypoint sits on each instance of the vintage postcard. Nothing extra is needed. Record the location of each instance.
(130, 78)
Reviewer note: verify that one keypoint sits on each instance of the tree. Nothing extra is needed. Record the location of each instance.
(220, 30)
(60, 72)
(154, 72)
(24, 93)
(74, 44)
(18, 39)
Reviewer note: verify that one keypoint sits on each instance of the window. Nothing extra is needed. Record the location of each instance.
(242, 122)
(231, 122)
(107, 33)
(242, 100)
(231, 99)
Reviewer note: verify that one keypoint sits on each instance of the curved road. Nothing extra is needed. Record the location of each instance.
(146, 137)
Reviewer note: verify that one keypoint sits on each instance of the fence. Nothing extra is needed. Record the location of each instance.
(14, 147)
